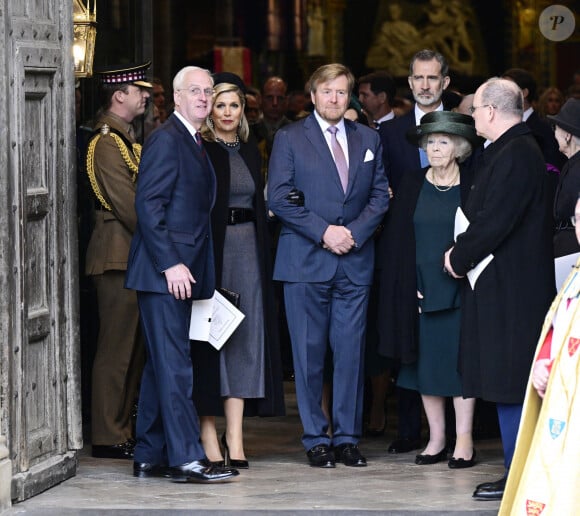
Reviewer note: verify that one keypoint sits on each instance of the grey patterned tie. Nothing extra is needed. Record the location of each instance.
(339, 158)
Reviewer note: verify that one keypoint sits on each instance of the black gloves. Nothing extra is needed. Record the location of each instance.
(295, 197)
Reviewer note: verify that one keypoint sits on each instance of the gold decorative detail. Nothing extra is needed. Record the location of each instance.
(84, 36)
(133, 165)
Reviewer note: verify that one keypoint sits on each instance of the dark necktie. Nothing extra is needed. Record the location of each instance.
(199, 143)
(339, 158)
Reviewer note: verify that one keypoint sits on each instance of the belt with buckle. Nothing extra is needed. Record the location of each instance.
(240, 215)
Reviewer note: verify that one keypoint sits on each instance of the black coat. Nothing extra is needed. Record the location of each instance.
(398, 320)
(565, 241)
(205, 358)
(399, 154)
(509, 213)
(546, 140)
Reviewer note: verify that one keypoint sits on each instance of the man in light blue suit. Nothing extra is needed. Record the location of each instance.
(325, 256)
(170, 263)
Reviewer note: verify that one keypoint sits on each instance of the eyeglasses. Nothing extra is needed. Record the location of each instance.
(473, 108)
(196, 91)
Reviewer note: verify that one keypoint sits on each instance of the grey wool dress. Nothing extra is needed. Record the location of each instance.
(242, 357)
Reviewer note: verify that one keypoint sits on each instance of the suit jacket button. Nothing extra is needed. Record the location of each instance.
(472, 187)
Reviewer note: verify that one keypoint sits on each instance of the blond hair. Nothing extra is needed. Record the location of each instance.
(207, 129)
(328, 73)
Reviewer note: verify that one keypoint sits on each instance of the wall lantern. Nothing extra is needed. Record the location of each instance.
(84, 36)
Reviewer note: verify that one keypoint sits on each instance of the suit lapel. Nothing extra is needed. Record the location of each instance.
(355, 150)
(314, 134)
(198, 154)
(189, 140)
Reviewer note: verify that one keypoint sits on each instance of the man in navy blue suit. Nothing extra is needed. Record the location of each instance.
(171, 263)
(428, 78)
(325, 256)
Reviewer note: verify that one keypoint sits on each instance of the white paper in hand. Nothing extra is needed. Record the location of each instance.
(461, 225)
(214, 320)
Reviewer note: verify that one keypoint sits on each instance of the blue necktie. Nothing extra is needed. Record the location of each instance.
(423, 158)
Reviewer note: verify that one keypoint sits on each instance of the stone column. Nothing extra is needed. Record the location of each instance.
(5, 475)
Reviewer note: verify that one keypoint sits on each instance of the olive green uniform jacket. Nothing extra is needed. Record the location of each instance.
(109, 244)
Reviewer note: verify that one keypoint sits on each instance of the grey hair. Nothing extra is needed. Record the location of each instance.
(504, 95)
(429, 55)
(180, 76)
(463, 148)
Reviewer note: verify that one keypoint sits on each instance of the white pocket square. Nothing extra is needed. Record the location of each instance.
(369, 156)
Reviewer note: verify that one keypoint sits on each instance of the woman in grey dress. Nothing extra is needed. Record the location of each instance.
(244, 377)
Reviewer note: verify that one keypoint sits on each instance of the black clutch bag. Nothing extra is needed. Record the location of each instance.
(230, 295)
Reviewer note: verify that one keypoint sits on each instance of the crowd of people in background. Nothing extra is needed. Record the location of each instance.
(380, 242)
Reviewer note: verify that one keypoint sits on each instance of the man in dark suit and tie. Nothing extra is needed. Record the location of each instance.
(171, 263)
(428, 77)
(325, 256)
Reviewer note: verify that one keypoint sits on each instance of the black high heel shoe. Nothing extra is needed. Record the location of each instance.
(232, 463)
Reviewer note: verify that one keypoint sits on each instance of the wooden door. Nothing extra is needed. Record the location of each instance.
(39, 397)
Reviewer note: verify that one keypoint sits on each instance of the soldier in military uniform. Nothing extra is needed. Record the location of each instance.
(112, 165)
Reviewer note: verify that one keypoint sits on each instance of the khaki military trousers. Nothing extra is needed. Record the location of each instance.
(118, 361)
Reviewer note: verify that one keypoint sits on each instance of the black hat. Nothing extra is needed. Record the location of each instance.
(569, 117)
(447, 122)
(230, 78)
(126, 74)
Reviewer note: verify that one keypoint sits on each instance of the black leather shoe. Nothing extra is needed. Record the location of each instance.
(490, 490)
(321, 456)
(202, 472)
(148, 470)
(349, 455)
(114, 451)
(487, 484)
(462, 463)
(404, 445)
(424, 459)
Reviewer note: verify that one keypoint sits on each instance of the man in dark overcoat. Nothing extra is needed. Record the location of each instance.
(502, 312)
